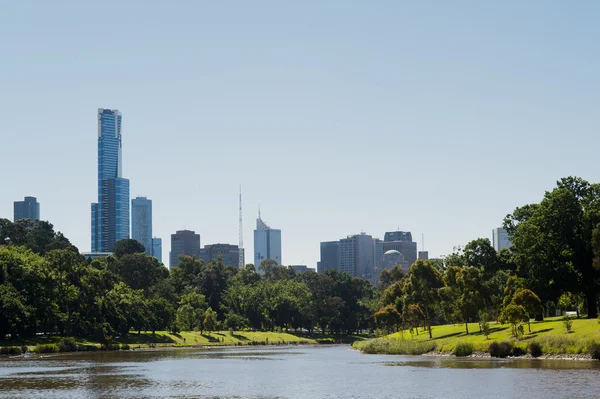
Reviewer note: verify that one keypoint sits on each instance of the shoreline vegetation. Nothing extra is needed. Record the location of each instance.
(164, 339)
(548, 340)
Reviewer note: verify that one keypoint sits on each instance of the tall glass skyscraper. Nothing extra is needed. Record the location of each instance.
(110, 215)
(267, 243)
(29, 208)
(141, 222)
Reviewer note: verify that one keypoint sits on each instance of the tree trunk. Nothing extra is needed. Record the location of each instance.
(429, 328)
(591, 303)
(529, 325)
(466, 327)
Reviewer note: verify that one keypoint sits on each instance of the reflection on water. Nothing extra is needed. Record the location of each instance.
(306, 372)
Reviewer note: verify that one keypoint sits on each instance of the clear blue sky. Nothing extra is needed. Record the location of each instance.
(337, 116)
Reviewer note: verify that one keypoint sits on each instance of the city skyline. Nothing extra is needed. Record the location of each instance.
(316, 124)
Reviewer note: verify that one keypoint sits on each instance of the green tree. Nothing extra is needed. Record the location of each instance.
(422, 289)
(128, 246)
(466, 283)
(553, 241)
(514, 315)
(531, 302)
(210, 320)
(388, 317)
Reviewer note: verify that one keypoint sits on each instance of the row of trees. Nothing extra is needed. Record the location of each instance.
(46, 286)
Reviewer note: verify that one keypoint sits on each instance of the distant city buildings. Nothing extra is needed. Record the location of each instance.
(141, 222)
(423, 255)
(228, 253)
(401, 241)
(394, 257)
(329, 256)
(110, 215)
(267, 243)
(157, 248)
(299, 269)
(500, 239)
(183, 242)
(29, 208)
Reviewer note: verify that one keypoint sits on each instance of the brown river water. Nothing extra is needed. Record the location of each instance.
(294, 373)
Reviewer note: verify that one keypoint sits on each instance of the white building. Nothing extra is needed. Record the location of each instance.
(267, 243)
(500, 239)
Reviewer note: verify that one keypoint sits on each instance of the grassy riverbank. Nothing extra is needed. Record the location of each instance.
(54, 343)
(550, 335)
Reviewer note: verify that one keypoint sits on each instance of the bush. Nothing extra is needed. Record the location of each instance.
(500, 349)
(463, 349)
(125, 347)
(67, 344)
(518, 351)
(595, 351)
(397, 346)
(87, 348)
(535, 349)
(45, 348)
(11, 350)
(568, 324)
(110, 347)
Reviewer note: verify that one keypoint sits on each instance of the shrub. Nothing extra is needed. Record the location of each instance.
(595, 351)
(517, 351)
(87, 348)
(110, 347)
(463, 349)
(125, 347)
(45, 348)
(10, 350)
(397, 346)
(568, 323)
(500, 349)
(67, 344)
(535, 349)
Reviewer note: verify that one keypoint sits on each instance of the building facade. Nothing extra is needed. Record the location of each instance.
(329, 256)
(183, 242)
(29, 208)
(157, 248)
(141, 222)
(424, 255)
(229, 254)
(110, 215)
(500, 239)
(299, 269)
(357, 256)
(394, 257)
(267, 243)
(401, 241)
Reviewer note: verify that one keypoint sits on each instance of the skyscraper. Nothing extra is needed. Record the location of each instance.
(267, 243)
(357, 256)
(230, 254)
(500, 239)
(110, 215)
(141, 222)
(329, 256)
(157, 248)
(401, 241)
(29, 208)
(183, 242)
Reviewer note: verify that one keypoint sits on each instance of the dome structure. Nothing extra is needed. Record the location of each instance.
(392, 252)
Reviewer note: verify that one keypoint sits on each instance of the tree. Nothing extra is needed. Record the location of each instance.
(466, 283)
(531, 302)
(191, 311)
(553, 241)
(388, 317)
(481, 254)
(210, 320)
(514, 315)
(128, 246)
(422, 287)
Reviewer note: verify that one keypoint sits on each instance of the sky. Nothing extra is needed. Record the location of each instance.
(337, 117)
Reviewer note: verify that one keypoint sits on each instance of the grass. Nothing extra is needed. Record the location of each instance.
(550, 334)
(184, 338)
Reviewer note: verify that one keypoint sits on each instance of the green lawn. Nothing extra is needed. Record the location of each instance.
(550, 333)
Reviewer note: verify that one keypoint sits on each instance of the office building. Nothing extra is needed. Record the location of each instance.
(267, 243)
(357, 256)
(329, 256)
(299, 269)
(29, 208)
(394, 257)
(157, 248)
(500, 239)
(184, 242)
(228, 253)
(141, 222)
(424, 255)
(401, 241)
(110, 215)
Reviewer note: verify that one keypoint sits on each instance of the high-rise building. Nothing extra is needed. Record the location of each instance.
(267, 243)
(157, 248)
(110, 215)
(230, 254)
(29, 208)
(500, 239)
(141, 222)
(401, 241)
(357, 256)
(394, 257)
(184, 242)
(424, 255)
(299, 269)
(329, 256)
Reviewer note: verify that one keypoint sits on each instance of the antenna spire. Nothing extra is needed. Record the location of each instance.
(241, 238)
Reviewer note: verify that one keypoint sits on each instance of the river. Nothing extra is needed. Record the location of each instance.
(295, 373)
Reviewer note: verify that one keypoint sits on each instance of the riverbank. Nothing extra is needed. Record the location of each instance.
(53, 344)
(547, 339)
